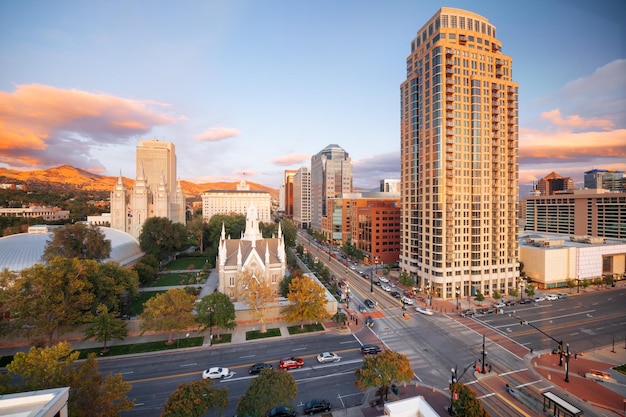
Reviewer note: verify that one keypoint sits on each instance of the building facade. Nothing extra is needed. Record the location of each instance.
(32, 212)
(585, 212)
(605, 179)
(237, 202)
(156, 192)
(390, 186)
(289, 175)
(302, 198)
(554, 183)
(459, 160)
(331, 175)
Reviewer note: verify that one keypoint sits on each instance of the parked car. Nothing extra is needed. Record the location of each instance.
(510, 303)
(538, 299)
(561, 295)
(407, 301)
(258, 367)
(215, 373)
(424, 310)
(369, 303)
(369, 321)
(525, 301)
(396, 294)
(385, 287)
(328, 357)
(467, 313)
(291, 363)
(370, 349)
(499, 305)
(383, 279)
(409, 294)
(316, 406)
(281, 412)
(362, 308)
(552, 297)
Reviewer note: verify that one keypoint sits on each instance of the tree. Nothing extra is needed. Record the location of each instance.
(382, 370)
(270, 389)
(106, 327)
(257, 294)
(530, 290)
(405, 278)
(466, 404)
(196, 228)
(496, 295)
(78, 241)
(110, 281)
(479, 297)
(147, 269)
(195, 399)
(283, 285)
(216, 309)
(307, 301)
(570, 283)
(513, 292)
(91, 394)
(56, 297)
(161, 237)
(289, 232)
(234, 225)
(170, 311)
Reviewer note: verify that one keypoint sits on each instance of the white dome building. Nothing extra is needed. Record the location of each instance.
(21, 251)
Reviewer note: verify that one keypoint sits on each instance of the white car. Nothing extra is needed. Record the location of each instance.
(383, 279)
(386, 287)
(406, 300)
(538, 299)
(424, 310)
(328, 357)
(499, 305)
(552, 297)
(215, 373)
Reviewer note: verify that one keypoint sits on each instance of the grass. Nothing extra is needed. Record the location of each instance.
(136, 306)
(142, 347)
(621, 369)
(308, 328)
(256, 334)
(225, 338)
(184, 264)
(167, 280)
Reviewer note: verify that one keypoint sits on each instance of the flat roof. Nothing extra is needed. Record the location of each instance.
(562, 403)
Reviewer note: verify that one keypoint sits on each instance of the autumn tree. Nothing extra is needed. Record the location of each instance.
(270, 389)
(257, 294)
(78, 241)
(307, 301)
(195, 399)
(382, 370)
(91, 394)
(168, 312)
(216, 309)
(106, 327)
(466, 403)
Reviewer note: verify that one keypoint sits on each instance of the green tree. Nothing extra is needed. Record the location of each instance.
(257, 294)
(110, 281)
(570, 283)
(196, 228)
(216, 309)
(497, 295)
(106, 327)
(530, 290)
(466, 403)
(289, 232)
(234, 225)
(78, 241)
(405, 279)
(168, 312)
(53, 298)
(513, 292)
(270, 389)
(91, 394)
(195, 399)
(161, 237)
(307, 301)
(382, 370)
(479, 297)
(585, 283)
(147, 269)
(283, 285)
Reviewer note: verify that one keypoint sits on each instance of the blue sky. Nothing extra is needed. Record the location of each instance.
(257, 87)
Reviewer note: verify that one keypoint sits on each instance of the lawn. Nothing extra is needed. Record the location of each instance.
(116, 350)
(256, 334)
(167, 280)
(308, 328)
(136, 307)
(186, 263)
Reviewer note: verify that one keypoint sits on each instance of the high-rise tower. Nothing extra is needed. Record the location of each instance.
(459, 164)
(331, 175)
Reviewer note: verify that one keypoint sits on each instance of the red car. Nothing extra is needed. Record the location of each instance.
(291, 363)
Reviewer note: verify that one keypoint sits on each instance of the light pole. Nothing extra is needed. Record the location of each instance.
(458, 294)
(566, 354)
(453, 380)
(372, 280)
(211, 326)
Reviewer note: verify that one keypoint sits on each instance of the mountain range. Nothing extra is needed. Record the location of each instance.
(66, 175)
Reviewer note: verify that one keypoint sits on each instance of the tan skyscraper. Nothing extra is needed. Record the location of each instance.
(459, 164)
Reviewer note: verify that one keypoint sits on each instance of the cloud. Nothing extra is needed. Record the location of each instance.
(369, 170)
(42, 126)
(575, 121)
(291, 159)
(605, 80)
(215, 134)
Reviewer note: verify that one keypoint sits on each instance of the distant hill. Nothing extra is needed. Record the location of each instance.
(66, 175)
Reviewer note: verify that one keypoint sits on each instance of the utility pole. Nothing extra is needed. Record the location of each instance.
(484, 353)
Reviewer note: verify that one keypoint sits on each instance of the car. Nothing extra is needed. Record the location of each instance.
(385, 287)
(467, 313)
(281, 412)
(258, 367)
(552, 297)
(510, 303)
(499, 305)
(362, 308)
(352, 267)
(369, 303)
(215, 373)
(396, 294)
(291, 363)
(525, 301)
(377, 282)
(561, 295)
(370, 349)
(424, 310)
(328, 357)
(407, 301)
(383, 279)
(538, 299)
(316, 406)
(409, 294)
(369, 321)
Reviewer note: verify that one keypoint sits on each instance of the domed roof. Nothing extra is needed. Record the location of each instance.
(24, 250)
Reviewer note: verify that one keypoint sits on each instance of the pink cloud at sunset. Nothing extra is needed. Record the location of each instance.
(575, 121)
(216, 134)
(291, 159)
(44, 126)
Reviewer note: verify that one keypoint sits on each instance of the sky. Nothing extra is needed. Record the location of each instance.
(247, 89)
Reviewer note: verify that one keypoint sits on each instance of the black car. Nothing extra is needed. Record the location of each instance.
(258, 367)
(316, 406)
(281, 412)
(510, 303)
(369, 321)
(396, 294)
(369, 303)
(525, 301)
(370, 349)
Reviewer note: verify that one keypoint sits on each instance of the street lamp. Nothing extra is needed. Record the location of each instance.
(211, 326)
(453, 380)
(371, 281)
(458, 294)
(566, 354)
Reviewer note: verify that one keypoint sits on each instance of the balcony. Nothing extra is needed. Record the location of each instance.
(449, 81)
(497, 95)
(512, 129)
(499, 73)
(449, 115)
(462, 39)
(449, 62)
(499, 62)
(495, 126)
(495, 87)
(449, 149)
(450, 132)
(449, 52)
(511, 97)
(512, 90)
(450, 158)
(449, 141)
(449, 124)
(450, 167)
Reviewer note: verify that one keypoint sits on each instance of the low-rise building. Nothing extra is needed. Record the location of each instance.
(45, 212)
(237, 202)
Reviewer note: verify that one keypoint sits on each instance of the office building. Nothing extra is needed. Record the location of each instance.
(288, 192)
(554, 183)
(459, 161)
(586, 212)
(605, 179)
(237, 202)
(390, 186)
(156, 192)
(331, 175)
(302, 198)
